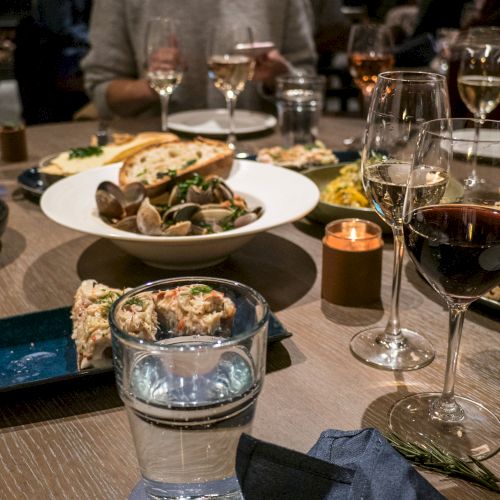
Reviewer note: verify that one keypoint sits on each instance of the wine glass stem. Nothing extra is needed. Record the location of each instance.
(446, 408)
(473, 177)
(231, 105)
(392, 334)
(164, 98)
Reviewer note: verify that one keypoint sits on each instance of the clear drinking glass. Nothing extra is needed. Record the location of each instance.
(402, 102)
(229, 69)
(370, 51)
(299, 99)
(479, 77)
(164, 67)
(189, 397)
(453, 238)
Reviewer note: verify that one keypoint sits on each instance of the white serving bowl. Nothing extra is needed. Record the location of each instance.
(284, 195)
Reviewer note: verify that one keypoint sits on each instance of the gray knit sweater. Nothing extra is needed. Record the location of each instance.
(117, 36)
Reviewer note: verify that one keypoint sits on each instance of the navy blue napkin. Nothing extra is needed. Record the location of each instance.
(341, 465)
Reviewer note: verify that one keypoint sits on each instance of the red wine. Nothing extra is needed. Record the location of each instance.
(456, 247)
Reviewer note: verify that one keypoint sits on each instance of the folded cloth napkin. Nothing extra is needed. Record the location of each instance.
(341, 465)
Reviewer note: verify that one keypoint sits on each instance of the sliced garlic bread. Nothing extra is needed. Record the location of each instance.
(67, 163)
(153, 165)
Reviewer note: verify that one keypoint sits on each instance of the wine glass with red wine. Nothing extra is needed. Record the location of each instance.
(454, 242)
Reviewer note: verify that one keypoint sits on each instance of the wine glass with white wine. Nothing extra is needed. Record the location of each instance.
(229, 71)
(402, 101)
(164, 67)
(479, 81)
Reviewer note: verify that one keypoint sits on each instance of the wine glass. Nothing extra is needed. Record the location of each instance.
(453, 238)
(229, 71)
(164, 67)
(479, 78)
(370, 52)
(402, 102)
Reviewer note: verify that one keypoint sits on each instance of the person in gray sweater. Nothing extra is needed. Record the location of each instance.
(114, 67)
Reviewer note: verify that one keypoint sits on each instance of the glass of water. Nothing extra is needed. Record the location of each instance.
(189, 392)
(300, 102)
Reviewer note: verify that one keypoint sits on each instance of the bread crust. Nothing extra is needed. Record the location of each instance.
(219, 164)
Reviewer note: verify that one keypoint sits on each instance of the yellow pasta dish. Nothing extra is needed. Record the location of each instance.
(346, 189)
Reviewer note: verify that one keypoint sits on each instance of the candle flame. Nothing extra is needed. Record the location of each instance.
(354, 234)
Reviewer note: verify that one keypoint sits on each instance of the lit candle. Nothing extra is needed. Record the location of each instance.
(352, 262)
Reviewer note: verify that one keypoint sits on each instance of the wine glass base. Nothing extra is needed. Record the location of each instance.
(477, 435)
(411, 353)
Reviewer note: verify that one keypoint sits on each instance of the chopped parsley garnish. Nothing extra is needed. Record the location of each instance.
(310, 147)
(189, 163)
(172, 173)
(85, 152)
(196, 180)
(142, 172)
(134, 301)
(106, 301)
(199, 289)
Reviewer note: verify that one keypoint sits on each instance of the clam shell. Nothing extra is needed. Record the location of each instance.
(180, 229)
(181, 212)
(110, 200)
(149, 219)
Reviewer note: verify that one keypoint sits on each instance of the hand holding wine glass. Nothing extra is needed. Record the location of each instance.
(164, 65)
(453, 238)
(402, 102)
(229, 71)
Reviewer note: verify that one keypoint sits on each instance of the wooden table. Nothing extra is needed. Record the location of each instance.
(72, 440)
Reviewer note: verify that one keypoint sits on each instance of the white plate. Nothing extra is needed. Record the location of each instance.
(485, 150)
(215, 122)
(285, 196)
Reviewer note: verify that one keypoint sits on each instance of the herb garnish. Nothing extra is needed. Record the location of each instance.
(430, 457)
(199, 289)
(134, 301)
(195, 180)
(189, 163)
(85, 152)
(106, 301)
(172, 173)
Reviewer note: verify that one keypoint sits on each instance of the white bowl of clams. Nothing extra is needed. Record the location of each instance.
(189, 213)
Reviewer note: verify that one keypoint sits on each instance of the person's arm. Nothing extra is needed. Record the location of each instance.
(111, 75)
(298, 43)
(129, 97)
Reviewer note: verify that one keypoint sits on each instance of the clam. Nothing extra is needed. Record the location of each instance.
(196, 194)
(128, 224)
(115, 203)
(212, 215)
(110, 200)
(180, 229)
(134, 194)
(181, 212)
(245, 219)
(222, 192)
(149, 219)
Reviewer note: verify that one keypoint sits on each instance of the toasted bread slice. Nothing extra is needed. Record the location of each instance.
(63, 165)
(152, 165)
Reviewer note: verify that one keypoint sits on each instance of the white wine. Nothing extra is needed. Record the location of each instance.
(230, 72)
(164, 82)
(385, 185)
(481, 94)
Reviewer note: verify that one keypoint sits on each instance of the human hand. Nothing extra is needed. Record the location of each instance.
(268, 66)
(166, 58)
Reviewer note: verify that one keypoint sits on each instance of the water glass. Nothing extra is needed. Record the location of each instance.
(189, 397)
(300, 102)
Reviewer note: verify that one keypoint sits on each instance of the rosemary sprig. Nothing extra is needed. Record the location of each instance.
(430, 457)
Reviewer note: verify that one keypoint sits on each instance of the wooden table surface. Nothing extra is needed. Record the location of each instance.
(72, 440)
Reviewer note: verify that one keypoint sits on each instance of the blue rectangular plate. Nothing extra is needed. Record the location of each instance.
(36, 348)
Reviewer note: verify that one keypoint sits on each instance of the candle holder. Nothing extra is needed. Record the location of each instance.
(352, 262)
